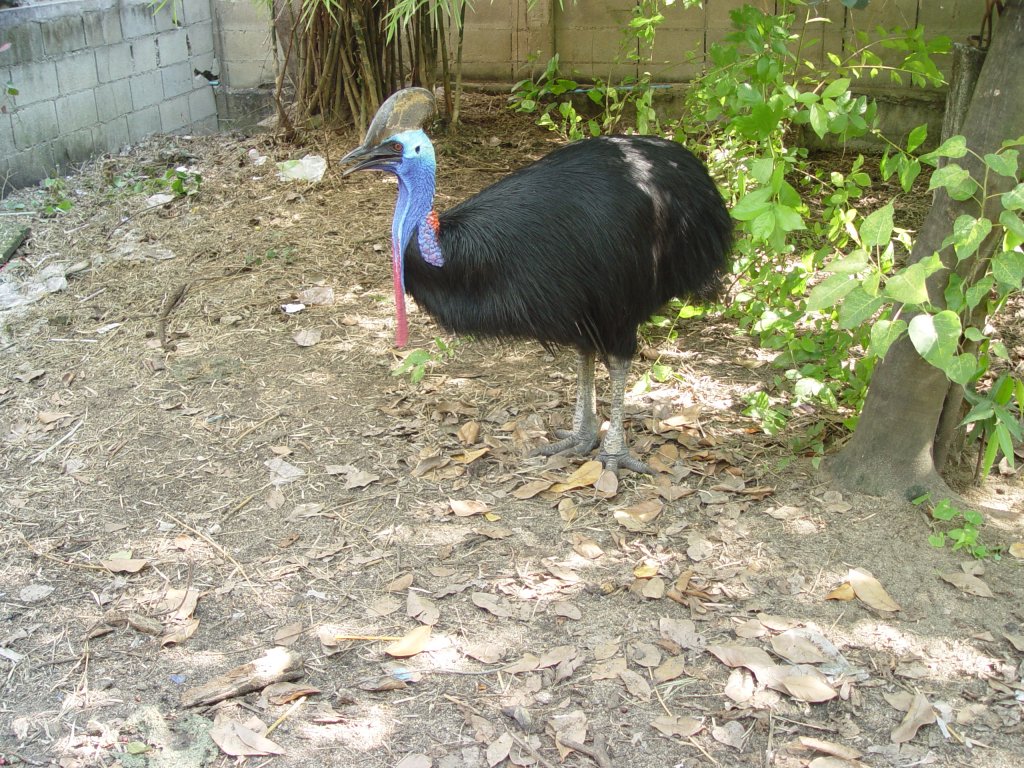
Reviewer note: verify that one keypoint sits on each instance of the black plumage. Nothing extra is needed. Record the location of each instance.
(579, 248)
(576, 249)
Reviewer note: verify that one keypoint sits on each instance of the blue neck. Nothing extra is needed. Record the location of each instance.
(415, 201)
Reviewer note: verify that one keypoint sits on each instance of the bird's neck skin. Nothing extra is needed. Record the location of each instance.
(414, 212)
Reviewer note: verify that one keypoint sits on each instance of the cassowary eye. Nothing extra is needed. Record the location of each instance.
(397, 146)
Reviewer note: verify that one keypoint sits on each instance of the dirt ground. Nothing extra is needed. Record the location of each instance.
(195, 480)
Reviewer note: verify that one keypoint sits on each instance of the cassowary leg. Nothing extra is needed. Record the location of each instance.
(585, 428)
(614, 451)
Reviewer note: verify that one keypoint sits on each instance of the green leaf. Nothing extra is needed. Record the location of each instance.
(1004, 163)
(761, 169)
(752, 204)
(1008, 269)
(935, 337)
(876, 230)
(787, 218)
(917, 137)
(829, 292)
(961, 368)
(908, 286)
(858, 307)
(1014, 199)
(851, 264)
(1014, 226)
(977, 292)
(956, 180)
(883, 334)
(836, 88)
(763, 226)
(819, 120)
(954, 146)
(968, 234)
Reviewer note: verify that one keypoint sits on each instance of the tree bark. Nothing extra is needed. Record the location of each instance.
(893, 450)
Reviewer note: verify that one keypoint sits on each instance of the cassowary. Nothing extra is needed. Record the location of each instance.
(577, 249)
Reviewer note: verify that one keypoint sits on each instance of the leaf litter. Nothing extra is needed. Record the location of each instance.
(375, 548)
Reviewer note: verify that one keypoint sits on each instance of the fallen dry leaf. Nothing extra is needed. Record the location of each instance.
(1017, 549)
(531, 489)
(607, 483)
(869, 590)
(843, 592)
(491, 603)
(669, 669)
(585, 546)
(972, 585)
(829, 748)
(635, 684)
(237, 740)
(400, 584)
(498, 749)
(468, 432)
(676, 725)
(124, 565)
(468, 457)
(732, 734)
(288, 634)
(467, 507)
(410, 644)
(422, 609)
(586, 475)
(919, 714)
(794, 646)
(285, 693)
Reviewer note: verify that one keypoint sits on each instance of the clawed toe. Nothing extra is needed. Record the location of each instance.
(580, 443)
(616, 461)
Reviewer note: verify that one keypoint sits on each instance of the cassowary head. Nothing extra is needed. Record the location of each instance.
(395, 143)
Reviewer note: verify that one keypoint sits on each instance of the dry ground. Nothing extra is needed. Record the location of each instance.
(186, 487)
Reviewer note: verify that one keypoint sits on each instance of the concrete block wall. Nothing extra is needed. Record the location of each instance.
(507, 40)
(95, 75)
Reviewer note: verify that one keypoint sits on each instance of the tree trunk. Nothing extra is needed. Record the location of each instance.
(893, 450)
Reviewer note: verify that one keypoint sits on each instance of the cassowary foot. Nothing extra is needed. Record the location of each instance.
(617, 461)
(581, 443)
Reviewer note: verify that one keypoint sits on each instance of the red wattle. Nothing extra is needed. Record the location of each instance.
(401, 324)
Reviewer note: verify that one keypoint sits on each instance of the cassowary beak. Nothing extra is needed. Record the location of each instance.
(379, 158)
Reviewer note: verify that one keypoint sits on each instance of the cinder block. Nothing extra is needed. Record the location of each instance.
(239, 16)
(35, 81)
(168, 17)
(112, 136)
(201, 107)
(113, 100)
(75, 111)
(143, 123)
(7, 147)
(26, 41)
(194, 11)
(136, 20)
(102, 27)
(177, 79)
(172, 47)
(114, 62)
(144, 54)
(206, 62)
(35, 124)
(72, 148)
(77, 72)
(147, 89)
(174, 114)
(63, 34)
(200, 38)
(29, 166)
